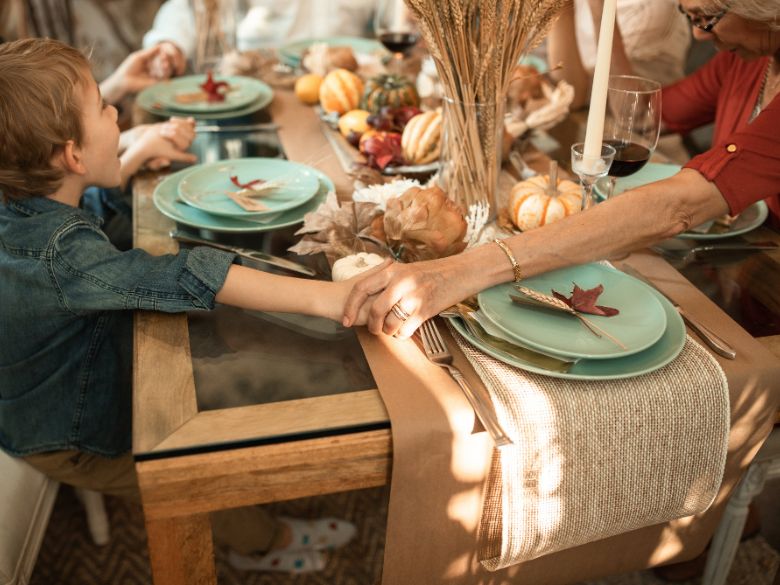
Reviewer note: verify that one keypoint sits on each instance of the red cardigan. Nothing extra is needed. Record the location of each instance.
(744, 160)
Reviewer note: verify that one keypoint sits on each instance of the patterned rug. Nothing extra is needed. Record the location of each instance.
(68, 556)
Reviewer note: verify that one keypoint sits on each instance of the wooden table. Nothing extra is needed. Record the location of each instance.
(191, 462)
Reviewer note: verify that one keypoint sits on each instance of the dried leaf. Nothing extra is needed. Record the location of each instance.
(584, 301)
(338, 228)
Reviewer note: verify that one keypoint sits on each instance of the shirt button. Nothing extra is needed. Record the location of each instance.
(731, 148)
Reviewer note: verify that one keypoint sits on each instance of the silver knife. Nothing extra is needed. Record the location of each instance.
(245, 253)
(265, 127)
(712, 340)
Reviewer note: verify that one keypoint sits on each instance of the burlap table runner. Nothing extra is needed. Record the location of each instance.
(592, 459)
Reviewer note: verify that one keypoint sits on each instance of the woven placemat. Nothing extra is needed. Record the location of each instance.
(592, 459)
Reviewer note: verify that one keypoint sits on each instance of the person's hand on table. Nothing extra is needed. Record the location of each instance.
(419, 291)
(168, 62)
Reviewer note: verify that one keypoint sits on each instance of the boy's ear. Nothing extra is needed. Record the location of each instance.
(72, 159)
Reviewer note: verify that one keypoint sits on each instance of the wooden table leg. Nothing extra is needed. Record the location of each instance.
(181, 550)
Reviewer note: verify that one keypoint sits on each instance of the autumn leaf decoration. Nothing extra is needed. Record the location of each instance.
(579, 302)
(213, 88)
(584, 301)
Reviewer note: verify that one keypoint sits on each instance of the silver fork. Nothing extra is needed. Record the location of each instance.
(437, 352)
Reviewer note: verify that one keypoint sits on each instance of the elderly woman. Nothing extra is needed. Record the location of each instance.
(737, 89)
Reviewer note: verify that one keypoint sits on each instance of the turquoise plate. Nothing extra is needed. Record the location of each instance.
(166, 200)
(206, 186)
(639, 325)
(243, 91)
(748, 220)
(292, 53)
(656, 356)
(149, 100)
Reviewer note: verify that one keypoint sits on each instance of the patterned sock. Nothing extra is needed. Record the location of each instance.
(283, 561)
(324, 534)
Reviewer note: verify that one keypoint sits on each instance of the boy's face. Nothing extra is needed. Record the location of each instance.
(101, 138)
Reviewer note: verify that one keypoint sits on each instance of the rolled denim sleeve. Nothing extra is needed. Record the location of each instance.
(90, 274)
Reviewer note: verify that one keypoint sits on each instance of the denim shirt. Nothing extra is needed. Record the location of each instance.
(67, 297)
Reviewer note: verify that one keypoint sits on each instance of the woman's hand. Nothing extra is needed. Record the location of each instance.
(421, 290)
(180, 131)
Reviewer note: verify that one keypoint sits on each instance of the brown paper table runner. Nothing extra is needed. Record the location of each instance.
(439, 467)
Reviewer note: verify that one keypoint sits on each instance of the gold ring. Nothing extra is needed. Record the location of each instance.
(399, 312)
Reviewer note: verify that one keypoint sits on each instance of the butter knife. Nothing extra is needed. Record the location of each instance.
(245, 253)
(713, 341)
(263, 127)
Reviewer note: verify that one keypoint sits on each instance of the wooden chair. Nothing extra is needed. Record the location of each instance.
(724, 544)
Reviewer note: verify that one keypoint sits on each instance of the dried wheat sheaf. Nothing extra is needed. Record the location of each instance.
(476, 45)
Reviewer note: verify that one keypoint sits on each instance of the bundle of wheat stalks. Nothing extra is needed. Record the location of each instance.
(476, 45)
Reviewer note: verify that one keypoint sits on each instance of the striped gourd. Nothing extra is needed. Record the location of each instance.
(531, 205)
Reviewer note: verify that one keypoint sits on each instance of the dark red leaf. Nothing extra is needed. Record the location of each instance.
(383, 149)
(249, 185)
(212, 88)
(584, 301)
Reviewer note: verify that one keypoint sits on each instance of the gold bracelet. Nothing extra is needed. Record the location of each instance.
(515, 265)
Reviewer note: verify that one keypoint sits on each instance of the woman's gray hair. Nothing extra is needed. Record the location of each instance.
(767, 11)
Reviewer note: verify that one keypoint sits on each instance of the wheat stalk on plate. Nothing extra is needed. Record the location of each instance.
(476, 45)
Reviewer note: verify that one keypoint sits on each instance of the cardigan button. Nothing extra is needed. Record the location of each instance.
(731, 148)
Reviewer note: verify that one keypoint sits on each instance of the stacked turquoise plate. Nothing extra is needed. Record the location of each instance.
(244, 96)
(647, 333)
(286, 208)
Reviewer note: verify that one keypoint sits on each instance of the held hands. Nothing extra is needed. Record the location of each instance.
(132, 75)
(168, 62)
(421, 290)
(157, 146)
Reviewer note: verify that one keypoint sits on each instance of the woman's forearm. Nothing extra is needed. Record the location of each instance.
(627, 222)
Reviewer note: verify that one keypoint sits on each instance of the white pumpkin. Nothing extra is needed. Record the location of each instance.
(349, 266)
(531, 205)
(421, 140)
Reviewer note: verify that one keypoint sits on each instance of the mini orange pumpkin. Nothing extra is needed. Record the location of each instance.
(340, 91)
(531, 205)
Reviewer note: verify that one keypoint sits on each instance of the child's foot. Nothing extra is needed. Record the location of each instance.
(306, 561)
(323, 534)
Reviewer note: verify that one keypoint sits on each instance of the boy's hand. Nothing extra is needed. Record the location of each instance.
(156, 149)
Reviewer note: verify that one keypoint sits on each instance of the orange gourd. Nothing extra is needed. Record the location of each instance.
(340, 91)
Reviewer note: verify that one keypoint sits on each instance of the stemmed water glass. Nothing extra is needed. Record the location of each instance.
(633, 123)
(590, 168)
(396, 30)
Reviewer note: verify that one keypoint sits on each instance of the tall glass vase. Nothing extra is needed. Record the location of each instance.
(215, 32)
(471, 152)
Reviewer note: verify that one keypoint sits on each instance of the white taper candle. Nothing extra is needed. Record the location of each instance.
(594, 131)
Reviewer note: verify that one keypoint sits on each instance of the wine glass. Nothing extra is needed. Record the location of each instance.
(590, 168)
(396, 30)
(633, 123)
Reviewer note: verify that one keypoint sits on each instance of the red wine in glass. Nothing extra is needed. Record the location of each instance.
(629, 158)
(398, 42)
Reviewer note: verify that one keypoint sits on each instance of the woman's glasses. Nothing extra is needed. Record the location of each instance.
(703, 22)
